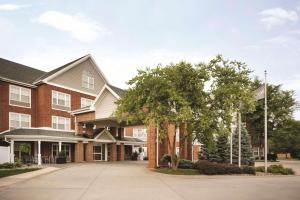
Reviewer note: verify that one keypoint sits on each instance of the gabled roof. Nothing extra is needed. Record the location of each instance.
(17, 72)
(58, 69)
(117, 90)
(104, 133)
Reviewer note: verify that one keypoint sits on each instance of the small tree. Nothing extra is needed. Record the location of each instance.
(222, 152)
(246, 149)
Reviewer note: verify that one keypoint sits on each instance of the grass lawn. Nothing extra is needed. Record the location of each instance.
(178, 171)
(11, 172)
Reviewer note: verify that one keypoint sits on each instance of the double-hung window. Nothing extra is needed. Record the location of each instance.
(86, 102)
(61, 123)
(88, 80)
(19, 120)
(140, 133)
(19, 96)
(61, 101)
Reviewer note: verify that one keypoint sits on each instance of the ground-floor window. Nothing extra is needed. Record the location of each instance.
(97, 152)
(66, 148)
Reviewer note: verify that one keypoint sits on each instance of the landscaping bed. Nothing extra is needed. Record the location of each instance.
(15, 171)
(178, 171)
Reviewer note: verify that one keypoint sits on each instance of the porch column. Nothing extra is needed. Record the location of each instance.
(12, 154)
(39, 153)
(79, 152)
(59, 146)
(113, 152)
(122, 152)
(105, 151)
(89, 152)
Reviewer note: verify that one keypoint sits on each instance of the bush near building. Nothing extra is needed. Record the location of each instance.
(276, 169)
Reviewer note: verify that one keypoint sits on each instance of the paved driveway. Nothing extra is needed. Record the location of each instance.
(131, 180)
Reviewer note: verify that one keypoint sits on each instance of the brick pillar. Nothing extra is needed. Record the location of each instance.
(151, 145)
(122, 152)
(79, 152)
(113, 152)
(89, 152)
(183, 141)
(189, 148)
(196, 152)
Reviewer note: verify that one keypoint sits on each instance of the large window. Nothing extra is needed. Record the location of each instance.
(87, 80)
(61, 101)
(140, 133)
(86, 102)
(61, 123)
(19, 96)
(19, 120)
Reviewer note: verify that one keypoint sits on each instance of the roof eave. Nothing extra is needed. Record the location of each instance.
(17, 82)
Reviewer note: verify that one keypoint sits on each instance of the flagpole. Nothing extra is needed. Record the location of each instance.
(266, 125)
(231, 147)
(240, 130)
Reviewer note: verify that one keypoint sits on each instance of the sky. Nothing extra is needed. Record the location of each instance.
(126, 35)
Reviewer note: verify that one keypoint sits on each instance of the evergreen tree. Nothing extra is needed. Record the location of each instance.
(222, 149)
(246, 150)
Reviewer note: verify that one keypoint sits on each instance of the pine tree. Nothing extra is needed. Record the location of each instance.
(246, 150)
(222, 149)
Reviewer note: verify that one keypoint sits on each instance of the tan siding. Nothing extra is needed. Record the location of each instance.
(73, 78)
(105, 105)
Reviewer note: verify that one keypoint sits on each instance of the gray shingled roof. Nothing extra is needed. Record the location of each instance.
(117, 90)
(18, 72)
(131, 139)
(40, 132)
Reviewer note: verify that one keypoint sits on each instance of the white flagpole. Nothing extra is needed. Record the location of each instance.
(240, 130)
(230, 147)
(266, 125)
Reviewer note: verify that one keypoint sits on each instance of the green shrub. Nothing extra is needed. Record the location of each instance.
(276, 169)
(166, 158)
(186, 164)
(8, 165)
(211, 168)
(248, 170)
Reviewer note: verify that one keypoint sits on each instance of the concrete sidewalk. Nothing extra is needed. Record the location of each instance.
(6, 181)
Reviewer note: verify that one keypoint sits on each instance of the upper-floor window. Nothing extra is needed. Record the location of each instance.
(140, 133)
(19, 120)
(86, 102)
(61, 101)
(61, 123)
(19, 96)
(87, 80)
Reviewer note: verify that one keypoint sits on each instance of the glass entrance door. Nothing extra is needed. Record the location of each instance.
(100, 152)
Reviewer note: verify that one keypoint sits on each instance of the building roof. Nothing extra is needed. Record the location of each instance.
(40, 132)
(117, 90)
(131, 139)
(18, 72)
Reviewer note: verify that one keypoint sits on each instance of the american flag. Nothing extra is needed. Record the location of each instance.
(259, 93)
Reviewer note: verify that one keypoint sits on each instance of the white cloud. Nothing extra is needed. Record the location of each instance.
(10, 7)
(277, 16)
(79, 26)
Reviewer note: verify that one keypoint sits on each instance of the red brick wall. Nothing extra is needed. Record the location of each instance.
(129, 130)
(5, 108)
(44, 105)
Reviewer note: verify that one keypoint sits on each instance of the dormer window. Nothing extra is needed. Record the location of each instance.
(88, 80)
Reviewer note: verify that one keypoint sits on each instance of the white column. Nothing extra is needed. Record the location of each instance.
(39, 153)
(105, 151)
(132, 149)
(59, 146)
(12, 154)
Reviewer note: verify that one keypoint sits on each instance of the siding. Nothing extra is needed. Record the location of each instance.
(73, 78)
(105, 105)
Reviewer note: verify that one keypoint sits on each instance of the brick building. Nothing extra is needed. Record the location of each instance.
(70, 109)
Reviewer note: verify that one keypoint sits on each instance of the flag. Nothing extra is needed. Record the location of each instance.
(259, 93)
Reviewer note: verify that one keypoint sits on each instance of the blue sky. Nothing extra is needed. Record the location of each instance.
(124, 36)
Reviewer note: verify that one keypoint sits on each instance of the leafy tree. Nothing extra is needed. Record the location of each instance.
(222, 153)
(281, 104)
(246, 150)
(287, 139)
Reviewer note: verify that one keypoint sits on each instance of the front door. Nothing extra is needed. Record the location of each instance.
(100, 152)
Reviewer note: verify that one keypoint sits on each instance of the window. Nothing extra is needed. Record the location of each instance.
(19, 96)
(61, 123)
(18, 120)
(140, 133)
(86, 102)
(87, 80)
(61, 100)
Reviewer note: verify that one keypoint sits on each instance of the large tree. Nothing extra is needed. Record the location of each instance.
(281, 105)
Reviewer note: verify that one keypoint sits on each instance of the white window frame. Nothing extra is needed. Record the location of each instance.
(19, 93)
(57, 119)
(135, 133)
(89, 83)
(19, 120)
(83, 102)
(66, 97)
